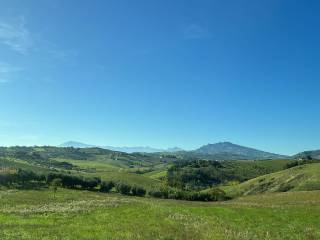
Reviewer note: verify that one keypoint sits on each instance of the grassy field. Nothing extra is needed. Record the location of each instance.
(300, 178)
(86, 215)
(79, 214)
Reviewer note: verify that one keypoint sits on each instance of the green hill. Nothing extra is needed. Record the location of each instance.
(87, 162)
(201, 174)
(230, 151)
(300, 178)
(308, 154)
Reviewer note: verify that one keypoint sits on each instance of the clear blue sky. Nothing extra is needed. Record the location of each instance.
(161, 73)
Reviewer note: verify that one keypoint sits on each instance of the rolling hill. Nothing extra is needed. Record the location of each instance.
(300, 178)
(216, 151)
(91, 162)
(313, 154)
(229, 151)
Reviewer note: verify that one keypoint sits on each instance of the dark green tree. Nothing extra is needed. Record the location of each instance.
(138, 191)
(123, 188)
(106, 186)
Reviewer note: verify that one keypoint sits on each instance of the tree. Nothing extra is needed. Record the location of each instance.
(57, 182)
(90, 183)
(123, 188)
(106, 186)
(138, 191)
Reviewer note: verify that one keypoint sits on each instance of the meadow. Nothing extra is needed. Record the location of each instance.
(269, 199)
(73, 214)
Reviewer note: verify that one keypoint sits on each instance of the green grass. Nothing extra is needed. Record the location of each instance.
(159, 174)
(87, 215)
(16, 164)
(105, 168)
(96, 165)
(300, 178)
(130, 178)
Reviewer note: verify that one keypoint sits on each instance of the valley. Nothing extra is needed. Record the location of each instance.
(155, 195)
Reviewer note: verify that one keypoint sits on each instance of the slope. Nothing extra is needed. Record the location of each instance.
(233, 151)
(300, 178)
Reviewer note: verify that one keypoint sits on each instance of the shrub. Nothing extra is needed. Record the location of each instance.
(138, 191)
(307, 160)
(123, 188)
(106, 186)
(216, 194)
(156, 193)
(285, 188)
(71, 181)
(56, 182)
(213, 194)
(90, 183)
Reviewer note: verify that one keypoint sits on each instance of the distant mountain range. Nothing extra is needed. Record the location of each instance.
(76, 145)
(120, 149)
(216, 151)
(230, 151)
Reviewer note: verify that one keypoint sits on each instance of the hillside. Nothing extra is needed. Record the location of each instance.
(308, 154)
(230, 151)
(152, 171)
(217, 151)
(300, 178)
(200, 174)
(91, 162)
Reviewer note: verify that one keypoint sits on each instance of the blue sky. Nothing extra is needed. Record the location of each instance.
(161, 73)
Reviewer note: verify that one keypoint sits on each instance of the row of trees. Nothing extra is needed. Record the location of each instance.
(55, 180)
(78, 182)
(20, 177)
(123, 188)
(214, 194)
(304, 161)
(74, 182)
(23, 177)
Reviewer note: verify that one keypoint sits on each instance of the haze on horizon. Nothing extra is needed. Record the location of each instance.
(160, 73)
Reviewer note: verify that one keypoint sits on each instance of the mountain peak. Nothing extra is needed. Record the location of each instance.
(236, 150)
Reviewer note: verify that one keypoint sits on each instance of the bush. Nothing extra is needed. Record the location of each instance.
(285, 188)
(71, 181)
(138, 191)
(214, 194)
(7, 179)
(106, 186)
(21, 178)
(156, 194)
(123, 188)
(90, 183)
(307, 160)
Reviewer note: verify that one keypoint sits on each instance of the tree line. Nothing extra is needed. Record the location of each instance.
(22, 178)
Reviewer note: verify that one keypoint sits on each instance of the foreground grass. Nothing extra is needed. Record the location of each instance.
(87, 215)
